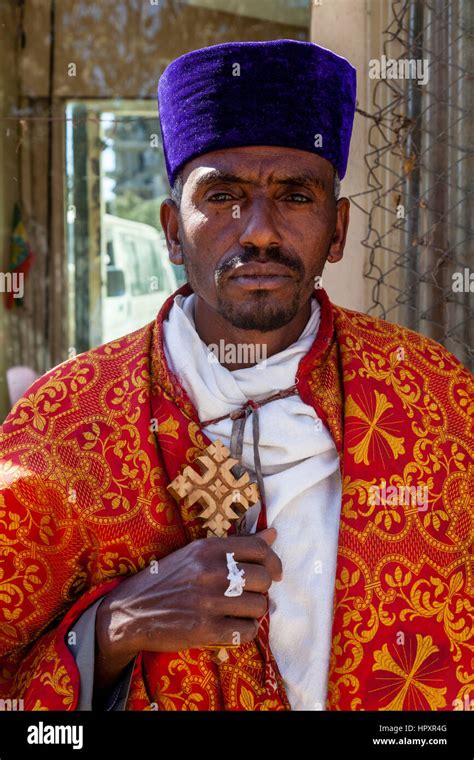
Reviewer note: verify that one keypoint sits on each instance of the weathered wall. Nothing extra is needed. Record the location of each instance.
(344, 27)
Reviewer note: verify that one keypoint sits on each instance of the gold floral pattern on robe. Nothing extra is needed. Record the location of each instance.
(86, 456)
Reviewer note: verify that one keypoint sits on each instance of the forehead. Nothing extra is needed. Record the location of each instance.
(259, 163)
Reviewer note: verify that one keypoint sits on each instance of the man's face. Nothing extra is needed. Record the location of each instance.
(254, 229)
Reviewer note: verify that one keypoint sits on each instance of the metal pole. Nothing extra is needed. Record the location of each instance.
(413, 149)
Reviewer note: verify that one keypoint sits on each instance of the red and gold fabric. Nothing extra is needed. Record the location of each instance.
(86, 456)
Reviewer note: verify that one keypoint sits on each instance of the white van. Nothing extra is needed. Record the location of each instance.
(138, 274)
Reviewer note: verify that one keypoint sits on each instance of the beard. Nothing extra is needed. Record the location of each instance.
(260, 310)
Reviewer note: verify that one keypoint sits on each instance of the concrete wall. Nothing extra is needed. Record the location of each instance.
(344, 27)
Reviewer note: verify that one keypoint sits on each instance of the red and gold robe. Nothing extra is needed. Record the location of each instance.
(83, 504)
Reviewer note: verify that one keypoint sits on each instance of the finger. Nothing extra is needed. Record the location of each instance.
(248, 605)
(257, 578)
(233, 631)
(254, 549)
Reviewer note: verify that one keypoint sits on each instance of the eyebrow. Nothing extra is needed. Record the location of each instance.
(306, 179)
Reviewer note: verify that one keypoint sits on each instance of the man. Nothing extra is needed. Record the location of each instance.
(346, 586)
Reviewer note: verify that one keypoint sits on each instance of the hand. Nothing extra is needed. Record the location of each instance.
(183, 605)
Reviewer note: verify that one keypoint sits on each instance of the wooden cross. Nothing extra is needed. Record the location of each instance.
(223, 496)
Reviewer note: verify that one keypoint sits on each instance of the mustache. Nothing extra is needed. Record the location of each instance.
(249, 255)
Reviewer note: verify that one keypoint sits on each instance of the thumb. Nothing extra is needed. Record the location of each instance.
(269, 535)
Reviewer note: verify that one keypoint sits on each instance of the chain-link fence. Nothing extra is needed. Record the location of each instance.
(420, 171)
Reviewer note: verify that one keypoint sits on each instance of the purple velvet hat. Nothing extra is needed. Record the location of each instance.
(281, 92)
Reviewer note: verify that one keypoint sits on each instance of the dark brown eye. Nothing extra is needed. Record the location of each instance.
(299, 197)
(220, 197)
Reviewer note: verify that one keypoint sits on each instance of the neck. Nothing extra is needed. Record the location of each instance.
(239, 348)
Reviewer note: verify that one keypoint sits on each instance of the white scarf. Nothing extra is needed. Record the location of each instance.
(300, 468)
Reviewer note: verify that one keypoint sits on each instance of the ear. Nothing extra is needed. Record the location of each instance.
(169, 218)
(338, 241)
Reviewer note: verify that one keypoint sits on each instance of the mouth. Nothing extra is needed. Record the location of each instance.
(260, 276)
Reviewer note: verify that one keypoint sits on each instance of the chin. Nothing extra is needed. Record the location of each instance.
(260, 311)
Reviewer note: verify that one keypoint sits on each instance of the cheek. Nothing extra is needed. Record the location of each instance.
(194, 227)
(205, 239)
(310, 239)
(209, 231)
(320, 229)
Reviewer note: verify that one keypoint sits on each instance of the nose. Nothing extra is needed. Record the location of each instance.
(259, 226)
